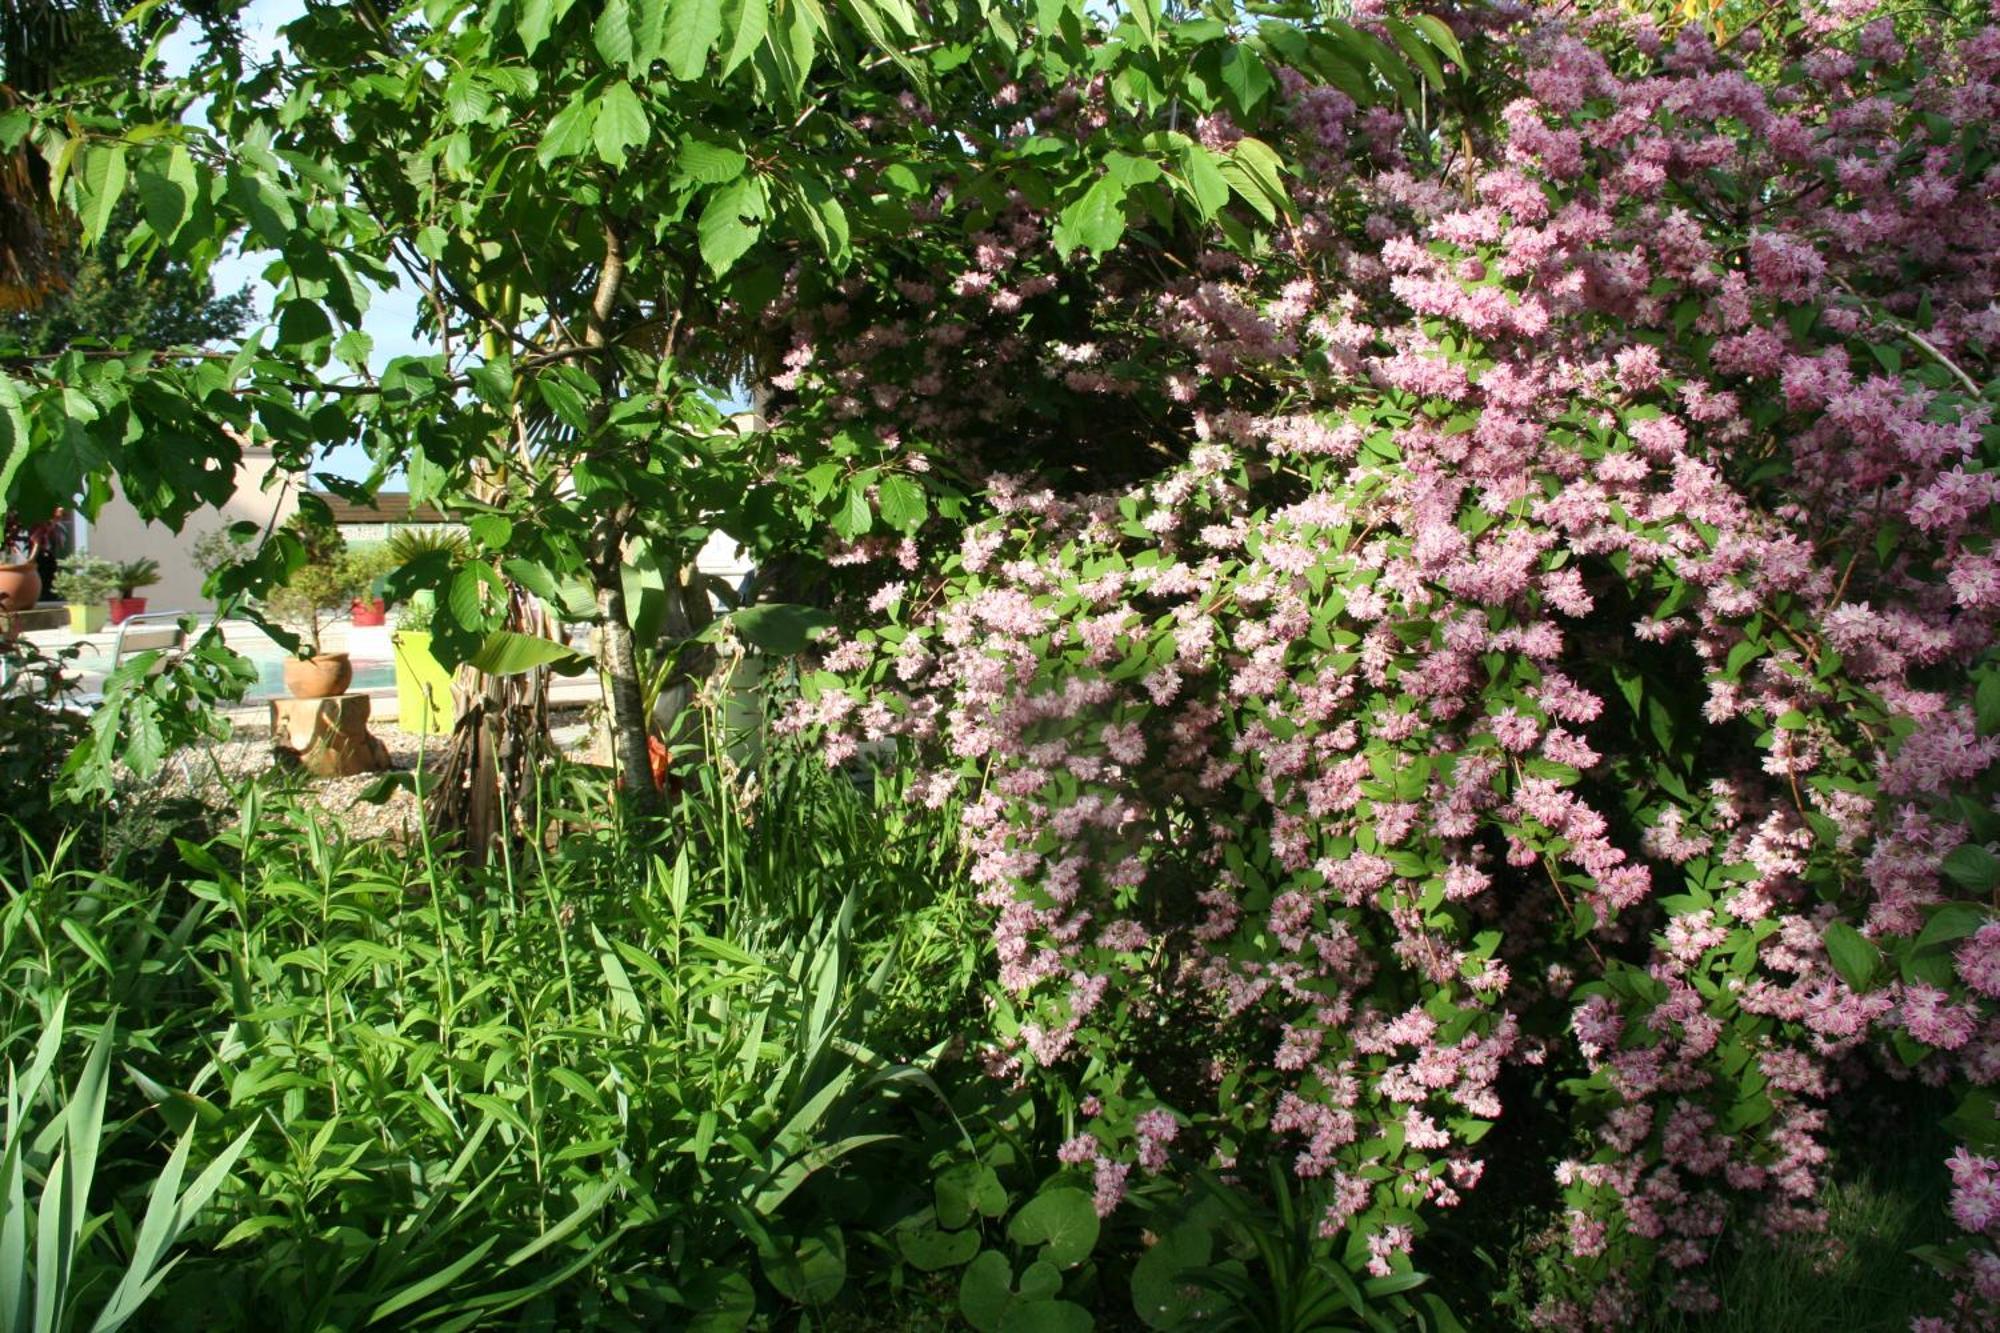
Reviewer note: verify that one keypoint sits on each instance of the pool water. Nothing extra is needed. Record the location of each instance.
(369, 677)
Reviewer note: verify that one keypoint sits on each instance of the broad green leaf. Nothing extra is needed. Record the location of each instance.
(1951, 922)
(930, 1250)
(103, 183)
(1973, 867)
(466, 100)
(1853, 956)
(779, 628)
(902, 502)
(14, 444)
(711, 164)
(621, 124)
(569, 131)
(692, 29)
(744, 23)
(1095, 221)
(612, 33)
(1204, 180)
(1063, 1219)
(1255, 160)
(1419, 53)
(166, 190)
(812, 1270)
(1440, 36)
(534, 20)
(1160, 1288)
(731, 222)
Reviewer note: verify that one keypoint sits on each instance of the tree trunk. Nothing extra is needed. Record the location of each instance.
(628, 698)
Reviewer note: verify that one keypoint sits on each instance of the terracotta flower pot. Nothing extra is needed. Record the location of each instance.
(318, 677)
(367, 615)
(124, 608)
(20, 587)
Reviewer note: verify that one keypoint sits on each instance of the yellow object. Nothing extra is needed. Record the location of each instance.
(87, 617)
(423, 686)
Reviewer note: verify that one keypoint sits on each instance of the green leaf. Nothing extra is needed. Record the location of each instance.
(930, 1250)
(812, 1270)
(612, 34)
(1063, 1219)
(1951, 922)
(1204, 180)
(166, 191)
(1854, 957)
(466, 100)
(1986, 702)
(968, 1188)
(854, 516)
(1096, 220)
(1160, 1289)
(692, 28)
(985, 1290)
(103, 184)
(534, 20)
(731, 222)
(1973, 867)
(781, 628)
(1046, 1317)
(744, 22)
(621, 124)
(902, 502)
(510, 653)
(1439, 35)
(14, 444)
(1246, 78)
(492, 531)
(569, 132)
(711, 164)
(1252, 162)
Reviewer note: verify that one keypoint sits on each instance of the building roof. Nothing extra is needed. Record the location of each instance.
(387, 507)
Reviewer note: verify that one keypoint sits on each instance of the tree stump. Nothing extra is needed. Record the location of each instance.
(326, 737)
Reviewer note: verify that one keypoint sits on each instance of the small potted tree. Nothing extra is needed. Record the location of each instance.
(133, 575)
(87, 583)
(310, 600)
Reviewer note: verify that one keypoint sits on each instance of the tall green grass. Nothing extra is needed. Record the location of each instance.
(616, 1079)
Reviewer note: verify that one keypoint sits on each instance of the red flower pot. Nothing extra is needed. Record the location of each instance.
(124, 608)
(369, 614)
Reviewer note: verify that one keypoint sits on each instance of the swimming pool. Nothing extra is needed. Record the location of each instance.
(369, 677)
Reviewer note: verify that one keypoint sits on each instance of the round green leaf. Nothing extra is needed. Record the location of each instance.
(1063, 1219)
(1162, 1296)
(985, 1290)
(931, 1250)
(810, 1270)
(1046, 1317)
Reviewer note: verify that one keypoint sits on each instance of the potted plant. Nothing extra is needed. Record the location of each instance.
(311, 599)
(424, 704)
(133, 575)
(87, 583)
(21, 549)
(367, 567)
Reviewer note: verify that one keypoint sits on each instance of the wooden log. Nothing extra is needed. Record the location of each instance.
(328, 737)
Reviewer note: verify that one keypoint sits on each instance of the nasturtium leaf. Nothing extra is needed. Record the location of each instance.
(1162, 1294)
(621, 124)
(1854, 957)
(1063, 1219)
(985, 1290)
(1095, 221)
(1046, 1316)
(692, 29)
(931, 1250)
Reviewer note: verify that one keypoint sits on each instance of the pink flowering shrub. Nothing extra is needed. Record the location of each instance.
(1555, 632)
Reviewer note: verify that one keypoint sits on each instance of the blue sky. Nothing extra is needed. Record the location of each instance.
(392, 314)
